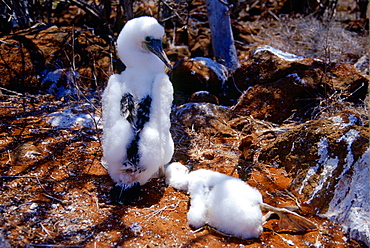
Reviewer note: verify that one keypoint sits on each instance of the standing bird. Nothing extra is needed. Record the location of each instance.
(136, 110)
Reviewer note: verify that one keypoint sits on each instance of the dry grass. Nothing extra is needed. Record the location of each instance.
(334, 104)
(309, 37)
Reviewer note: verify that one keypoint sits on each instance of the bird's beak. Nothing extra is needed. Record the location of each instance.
(155, 46)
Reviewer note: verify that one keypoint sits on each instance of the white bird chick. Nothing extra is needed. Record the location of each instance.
(223, 202)
(136, 110)
(227, 203)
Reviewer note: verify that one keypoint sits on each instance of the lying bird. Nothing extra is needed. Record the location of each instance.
(228, 204)
(136, 110)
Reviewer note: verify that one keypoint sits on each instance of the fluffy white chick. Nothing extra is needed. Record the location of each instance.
(229, 204)
(234, 208)
(223, 202)
(136, 110)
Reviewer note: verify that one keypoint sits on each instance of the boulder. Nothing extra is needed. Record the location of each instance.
(206, 117)
(279, 85)
(200, 74)
(60, 57)
(277, 101)
(203, 96)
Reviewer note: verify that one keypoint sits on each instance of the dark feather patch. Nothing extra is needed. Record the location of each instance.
(143, 112)
(128, 108)
(133, 151)
(137, 114)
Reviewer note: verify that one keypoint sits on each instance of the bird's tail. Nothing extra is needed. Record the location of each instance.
(290, 221)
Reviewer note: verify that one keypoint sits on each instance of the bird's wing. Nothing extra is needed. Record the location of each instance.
(161, 108)
(116, 129)
(111, 99)
(162, 94)
(162, 89)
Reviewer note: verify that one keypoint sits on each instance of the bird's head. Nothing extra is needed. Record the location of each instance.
(177, 176)
(139, 40)
(154, 46)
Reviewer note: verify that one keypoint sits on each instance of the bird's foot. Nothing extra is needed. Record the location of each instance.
(125, 194)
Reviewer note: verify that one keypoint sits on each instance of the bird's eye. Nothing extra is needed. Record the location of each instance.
(148, 39)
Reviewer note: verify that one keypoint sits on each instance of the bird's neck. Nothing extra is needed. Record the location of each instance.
(140, 82)
(144, 62)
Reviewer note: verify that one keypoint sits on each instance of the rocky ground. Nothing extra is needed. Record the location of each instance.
(294, 127)
(55, 191)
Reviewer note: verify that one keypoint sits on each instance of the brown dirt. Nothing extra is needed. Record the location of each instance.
(55, 191)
